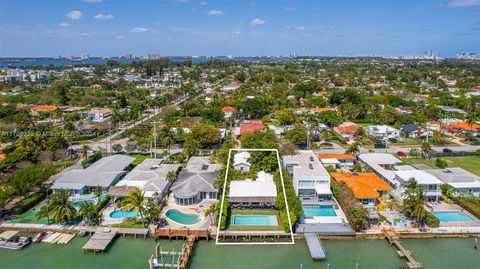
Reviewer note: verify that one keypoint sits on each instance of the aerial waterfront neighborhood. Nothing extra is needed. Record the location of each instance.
(271, 160)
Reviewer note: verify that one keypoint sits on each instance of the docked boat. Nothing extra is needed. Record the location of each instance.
(10, 240)
(38, 238)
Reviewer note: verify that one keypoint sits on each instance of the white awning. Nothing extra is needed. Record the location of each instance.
(323, 189)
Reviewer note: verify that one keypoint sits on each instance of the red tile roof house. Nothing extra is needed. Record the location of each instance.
(347, 129)
(247, 128)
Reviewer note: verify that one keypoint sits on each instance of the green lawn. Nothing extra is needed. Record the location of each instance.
(470, 163)
(129, 224)
(279, 227)
(30, 217)
(139, 158)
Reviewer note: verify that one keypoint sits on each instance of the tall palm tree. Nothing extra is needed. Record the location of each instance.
(426, 148)
(85, 149)
(88, 211)
(97, 193)
(166, 136)
(171, 175)
(135, 201)
(59, 206)
(353, 149)
(472, 119)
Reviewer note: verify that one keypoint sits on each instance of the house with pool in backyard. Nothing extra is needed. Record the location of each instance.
(192, 194)
(321, 212)
(103, 173)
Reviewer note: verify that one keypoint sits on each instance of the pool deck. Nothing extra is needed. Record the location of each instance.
(444, 207)
(199, 208)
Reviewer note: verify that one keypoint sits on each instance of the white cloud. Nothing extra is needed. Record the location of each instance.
(236, 34)
(93, 1)
(463, 3)
(300, 28)
(289, 9)
(64, 24)
(74, 15)
(204, 3)
(103, 16)
(120, 36)
(216, 12)
(181, 1)
(138, 30)
(256, 22)
(84, 34)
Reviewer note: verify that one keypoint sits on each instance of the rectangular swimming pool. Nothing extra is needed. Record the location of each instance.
(452, 216)
(254, 220)
(318, 211)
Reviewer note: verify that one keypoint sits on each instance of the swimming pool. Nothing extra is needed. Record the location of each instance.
(452, 216)
(77, 203)
(121, 214)
(318, 211)
(254, 220)
(183, 218)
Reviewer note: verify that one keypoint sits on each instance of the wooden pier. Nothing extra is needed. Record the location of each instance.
(172, 258)
(100, 240)
(182, 233)
(394, 239)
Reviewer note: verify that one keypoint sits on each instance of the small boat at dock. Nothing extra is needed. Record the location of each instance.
(10, 240)
(38, 238)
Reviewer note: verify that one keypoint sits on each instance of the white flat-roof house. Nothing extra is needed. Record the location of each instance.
(104, 173)
(310, 179)
(463, 182)
(382, 131)
(150, 177)
(259, 193)
(196, 182)
(430, 183)
(383, 164)
(240, 161)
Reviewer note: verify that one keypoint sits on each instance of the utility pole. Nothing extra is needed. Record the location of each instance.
(110, 136)
(427, 131)
(155, 138)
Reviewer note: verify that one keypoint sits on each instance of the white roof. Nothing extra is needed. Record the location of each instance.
(381, 128)
(246, 188)
(150, 176)
(375, 160)
(241, 158)
(306, 166)
(404, 167)
(330, 161)
(422, 177)
(323, 189)
(456, 177)
(264, 177)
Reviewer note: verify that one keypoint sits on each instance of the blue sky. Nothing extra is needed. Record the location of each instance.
(237, 27)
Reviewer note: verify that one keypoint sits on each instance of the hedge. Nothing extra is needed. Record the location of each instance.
(472, 205)
(431, 220)
(30, 202)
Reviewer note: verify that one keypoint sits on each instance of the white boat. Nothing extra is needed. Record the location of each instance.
(15, 242)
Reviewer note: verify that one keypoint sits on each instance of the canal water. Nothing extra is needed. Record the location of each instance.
(134, 253)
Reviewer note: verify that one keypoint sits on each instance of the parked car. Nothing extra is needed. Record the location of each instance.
(401, 154)
(380, 144)
(447, 150)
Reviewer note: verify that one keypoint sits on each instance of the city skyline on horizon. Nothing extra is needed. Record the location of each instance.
(108, 28)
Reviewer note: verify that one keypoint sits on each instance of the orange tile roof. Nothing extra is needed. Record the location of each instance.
(321, 109)
(228, 108)
(322, 93)
(336, 156)
(465, 126)
(363, 185)
(44, 108)
(2, 156)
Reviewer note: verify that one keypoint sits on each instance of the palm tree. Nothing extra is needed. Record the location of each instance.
(97, 193)
(353, 149)
(88, 211)
(59, 206)
(414, 200)
(135, 201)
(152, 211)
(426, 148)
(166, 136)
(472, 119)
(85, 149)
(171, 175)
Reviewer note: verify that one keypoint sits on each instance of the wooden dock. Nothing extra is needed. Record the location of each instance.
(317, 251)
(394, 239)
(182, 233)
(100, 240)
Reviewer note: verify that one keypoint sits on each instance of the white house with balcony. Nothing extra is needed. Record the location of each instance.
(240, 161)
(383, 131)
(430, 183)
(310, 179)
